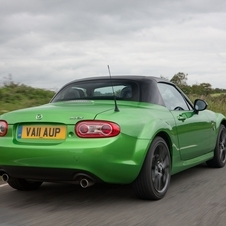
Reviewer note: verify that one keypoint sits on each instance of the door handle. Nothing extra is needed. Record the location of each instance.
(181, 118)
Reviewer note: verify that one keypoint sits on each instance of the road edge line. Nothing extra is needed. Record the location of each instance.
(3, 185)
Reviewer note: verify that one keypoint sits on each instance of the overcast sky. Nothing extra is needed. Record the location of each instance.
(47, 43)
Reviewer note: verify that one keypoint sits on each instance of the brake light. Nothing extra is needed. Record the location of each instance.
(96, 129)
(3, 128)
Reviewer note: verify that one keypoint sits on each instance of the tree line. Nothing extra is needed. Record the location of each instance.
(16, 96)
(205, 89)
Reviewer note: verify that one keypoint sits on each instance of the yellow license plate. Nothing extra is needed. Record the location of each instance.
(42, 132)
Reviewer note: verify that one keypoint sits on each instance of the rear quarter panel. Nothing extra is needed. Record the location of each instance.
(144, 122)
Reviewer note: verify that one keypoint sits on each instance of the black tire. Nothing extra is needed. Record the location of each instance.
(219, 158)
(153, 181)
(23, 185)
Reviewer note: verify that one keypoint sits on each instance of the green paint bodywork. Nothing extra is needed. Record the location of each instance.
(191, 138)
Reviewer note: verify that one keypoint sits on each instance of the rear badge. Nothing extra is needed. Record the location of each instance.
(39, 116)
(76, 118)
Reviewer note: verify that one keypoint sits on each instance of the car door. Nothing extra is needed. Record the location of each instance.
(193, 129)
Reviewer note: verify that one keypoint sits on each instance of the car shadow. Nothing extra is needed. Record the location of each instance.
(62, 196)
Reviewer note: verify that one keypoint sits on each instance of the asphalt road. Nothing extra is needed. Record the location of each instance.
(196, 197)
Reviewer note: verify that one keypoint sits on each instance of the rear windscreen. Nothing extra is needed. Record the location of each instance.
(99, 89)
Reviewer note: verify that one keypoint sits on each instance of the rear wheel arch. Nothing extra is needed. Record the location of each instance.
(168, 141)
(166, 138)
(224, 123)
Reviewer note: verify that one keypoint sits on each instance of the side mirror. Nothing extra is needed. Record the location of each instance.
(199, 105)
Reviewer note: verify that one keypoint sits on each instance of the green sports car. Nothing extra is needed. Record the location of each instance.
(135, 130)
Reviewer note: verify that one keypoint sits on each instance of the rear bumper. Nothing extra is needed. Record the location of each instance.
(105, 160)
(47, 174)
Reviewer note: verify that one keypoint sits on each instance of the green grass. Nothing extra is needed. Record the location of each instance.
(15, 96)
(217, 94)
(216, 102)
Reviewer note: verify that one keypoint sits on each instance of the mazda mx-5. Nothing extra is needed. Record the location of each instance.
(136, 130)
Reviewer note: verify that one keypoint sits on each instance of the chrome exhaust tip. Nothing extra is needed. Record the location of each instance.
(85, 183)
(5, 177)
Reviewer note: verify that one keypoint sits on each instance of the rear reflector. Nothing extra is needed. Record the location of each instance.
(3, 128)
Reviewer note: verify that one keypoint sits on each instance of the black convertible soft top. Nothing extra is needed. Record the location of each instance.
(133, 88)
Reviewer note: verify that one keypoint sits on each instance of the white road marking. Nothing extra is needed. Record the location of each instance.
(3, 185)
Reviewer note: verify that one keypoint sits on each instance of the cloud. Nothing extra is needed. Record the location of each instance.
(48, 43)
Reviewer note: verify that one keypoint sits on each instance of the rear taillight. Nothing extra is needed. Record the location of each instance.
(96, 129)
(3, 128)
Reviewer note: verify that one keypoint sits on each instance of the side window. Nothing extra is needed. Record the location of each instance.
(172, 98)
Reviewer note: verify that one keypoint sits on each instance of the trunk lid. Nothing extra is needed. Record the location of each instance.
(67, 112)
(52, 123)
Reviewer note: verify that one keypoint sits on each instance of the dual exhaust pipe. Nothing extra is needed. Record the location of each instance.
(84, 182)
(5, 177)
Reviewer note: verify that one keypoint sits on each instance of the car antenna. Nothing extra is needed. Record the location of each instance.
(116, 106)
